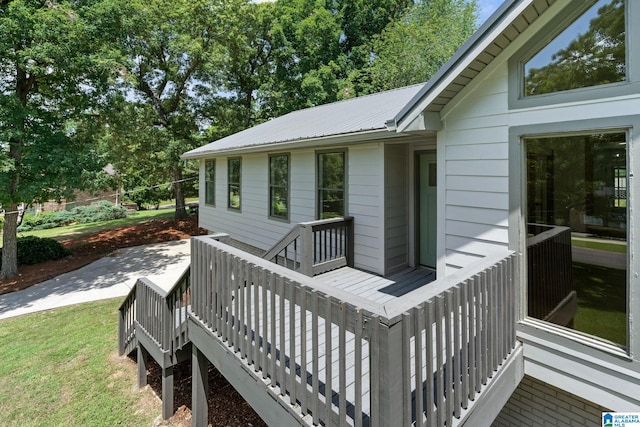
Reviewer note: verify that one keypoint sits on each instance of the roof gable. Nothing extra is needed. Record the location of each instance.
(511, 19)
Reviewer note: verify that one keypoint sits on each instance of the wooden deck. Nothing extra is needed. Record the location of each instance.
(376, 288)
(348, 347)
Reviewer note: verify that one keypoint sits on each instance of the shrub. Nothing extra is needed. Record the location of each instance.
(101, 211)
(34, 250)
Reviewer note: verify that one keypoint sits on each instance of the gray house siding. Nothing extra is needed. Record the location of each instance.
(396, 207)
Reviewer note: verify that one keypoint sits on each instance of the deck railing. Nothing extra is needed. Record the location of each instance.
(550, 291)
(342, 359)
(126, 324)
(161, 314)
(315, 247)
(440, 353)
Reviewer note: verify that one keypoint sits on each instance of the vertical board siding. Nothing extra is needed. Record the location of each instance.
(396, 207)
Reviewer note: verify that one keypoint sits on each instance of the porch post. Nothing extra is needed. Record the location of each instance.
(200, 386)
(167, 392)
(306, 252)
(142, 366)
(391, 359)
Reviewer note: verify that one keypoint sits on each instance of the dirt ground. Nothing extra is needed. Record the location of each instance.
(226, 406)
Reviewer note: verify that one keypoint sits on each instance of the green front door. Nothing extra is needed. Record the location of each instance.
(427, 213)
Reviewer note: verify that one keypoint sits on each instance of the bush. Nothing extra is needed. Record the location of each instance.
(34, 250)
(101, 211)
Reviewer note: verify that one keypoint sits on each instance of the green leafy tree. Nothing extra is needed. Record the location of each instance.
(54, 66)
(596, 57)
(174, 53)
(413, 48)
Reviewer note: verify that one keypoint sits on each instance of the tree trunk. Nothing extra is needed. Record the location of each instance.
(10, 243)
(181, 211)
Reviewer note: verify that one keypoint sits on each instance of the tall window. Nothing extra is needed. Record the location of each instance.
(279, 186)
(233, 182)
(331, 184)
(589, 52)
(577, 232)
(210, 182)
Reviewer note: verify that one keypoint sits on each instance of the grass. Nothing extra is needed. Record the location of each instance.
(78, 230)
(602, 302)
(601, 246)
(60, 367)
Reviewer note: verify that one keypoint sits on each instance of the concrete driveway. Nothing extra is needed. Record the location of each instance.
(109, 277)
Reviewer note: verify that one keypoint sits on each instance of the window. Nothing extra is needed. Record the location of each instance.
(582, 53)
(210, 182)
(279, 186)
(331, 184)
(233, 182)
(577, 232)
(589, 52)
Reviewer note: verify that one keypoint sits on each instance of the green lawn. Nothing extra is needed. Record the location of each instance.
(77, 230)
(60, 367)
(602, 301)
(602, 246)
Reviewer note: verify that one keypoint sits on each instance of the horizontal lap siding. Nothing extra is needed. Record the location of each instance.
(476, 191)
(396, 207)
(366, 204)
(252, 225)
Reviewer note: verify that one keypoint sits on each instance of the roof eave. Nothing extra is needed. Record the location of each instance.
(354, 137)
(508, 11)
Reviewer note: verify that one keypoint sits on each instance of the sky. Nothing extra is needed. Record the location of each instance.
(486, 7)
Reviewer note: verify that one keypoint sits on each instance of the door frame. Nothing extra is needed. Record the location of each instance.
(416, 207)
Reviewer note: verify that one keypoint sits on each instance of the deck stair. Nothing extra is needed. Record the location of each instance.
(153, 322)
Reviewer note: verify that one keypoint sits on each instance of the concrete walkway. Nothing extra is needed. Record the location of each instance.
(109, 277)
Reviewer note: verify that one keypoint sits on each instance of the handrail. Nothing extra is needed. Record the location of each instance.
(126, 323)
(163, 314)
(288, 238)
(314, 247)
(458, 333)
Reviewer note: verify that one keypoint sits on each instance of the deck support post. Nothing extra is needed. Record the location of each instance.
(391, 360)
(143, 357)
(200, 385)
(167, 392)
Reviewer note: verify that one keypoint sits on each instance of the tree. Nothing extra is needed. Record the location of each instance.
(414, 47)
(54, 66)
(174, 53)
(596, 57)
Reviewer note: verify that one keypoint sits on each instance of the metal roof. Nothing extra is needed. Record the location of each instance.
(395, 109)
(348, 117)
